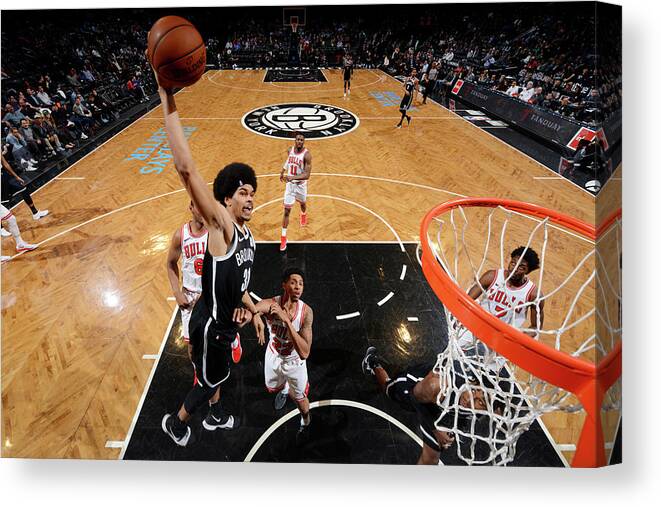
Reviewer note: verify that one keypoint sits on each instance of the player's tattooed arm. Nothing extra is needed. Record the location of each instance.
(305, 333)
(484, 283)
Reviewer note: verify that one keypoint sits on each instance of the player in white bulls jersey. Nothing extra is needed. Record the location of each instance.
(190, 243)
(509, 295)
(295, 173)
(290, 330)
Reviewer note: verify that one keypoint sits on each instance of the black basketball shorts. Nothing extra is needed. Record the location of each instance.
(400, 390)
(406, 102)
(211, 356)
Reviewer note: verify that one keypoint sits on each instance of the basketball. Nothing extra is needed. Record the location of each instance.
(176, 51)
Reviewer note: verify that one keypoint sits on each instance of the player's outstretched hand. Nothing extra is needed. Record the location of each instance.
(258, 323)
(165, 86)
(242, 316)
(279, 312)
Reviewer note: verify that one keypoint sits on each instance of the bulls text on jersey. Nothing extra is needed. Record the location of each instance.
(194, 249)
(506, 302)
(295, 163)
(280, 340)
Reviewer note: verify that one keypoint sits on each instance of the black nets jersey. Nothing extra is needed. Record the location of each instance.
(224, 280)
(400, 390)
(409, 86)
(348, 70)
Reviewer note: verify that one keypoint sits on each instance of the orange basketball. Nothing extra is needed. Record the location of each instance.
(176, 51)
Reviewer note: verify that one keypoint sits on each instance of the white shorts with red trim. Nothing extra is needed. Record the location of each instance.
(4, 213)
(295, 192)
(186, 312)
(279, 369)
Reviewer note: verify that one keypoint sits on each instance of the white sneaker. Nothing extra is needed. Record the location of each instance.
(167, 426)
(280, 400)
(31, 168)
(32, 161)
(25, 247)
(83, 136)
(5, 233)
(40, 214)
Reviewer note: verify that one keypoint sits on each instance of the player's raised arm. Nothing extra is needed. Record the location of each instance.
(215, 216)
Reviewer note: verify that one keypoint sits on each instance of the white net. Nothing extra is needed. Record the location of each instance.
(488, 402)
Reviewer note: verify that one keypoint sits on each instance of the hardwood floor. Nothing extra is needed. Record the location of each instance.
(80, 312)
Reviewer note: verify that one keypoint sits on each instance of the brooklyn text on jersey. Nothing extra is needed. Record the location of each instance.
(315, 121)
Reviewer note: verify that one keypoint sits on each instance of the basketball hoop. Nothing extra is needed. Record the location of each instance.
(572, 365)
(293, 21)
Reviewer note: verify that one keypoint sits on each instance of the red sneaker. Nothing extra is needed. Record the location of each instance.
(237, 351)
(25, 247)
(304, 219)
(283, 243)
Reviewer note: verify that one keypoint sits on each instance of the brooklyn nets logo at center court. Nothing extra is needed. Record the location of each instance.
(315, 121)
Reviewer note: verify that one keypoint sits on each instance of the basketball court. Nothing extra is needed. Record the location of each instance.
(91, 349)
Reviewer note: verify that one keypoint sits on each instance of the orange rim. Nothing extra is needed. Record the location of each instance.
(586, 380)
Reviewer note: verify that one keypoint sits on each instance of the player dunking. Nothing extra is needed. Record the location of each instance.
(410, 87)
(190, 243)
(417, 390)
(226, 272)
(347, 71)
(295, 173)
(290, 330)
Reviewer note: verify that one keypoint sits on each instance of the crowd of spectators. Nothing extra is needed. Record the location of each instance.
(64, 82)
(65, 78)
(543, 57)
(545, 61)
